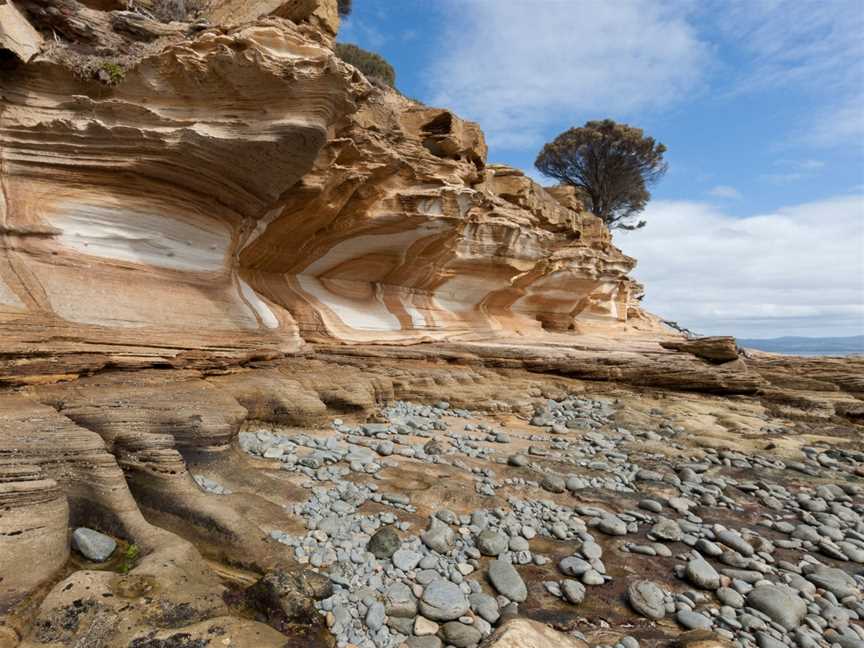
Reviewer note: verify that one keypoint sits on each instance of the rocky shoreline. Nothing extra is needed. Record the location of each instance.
(614, 513)
(285, 361)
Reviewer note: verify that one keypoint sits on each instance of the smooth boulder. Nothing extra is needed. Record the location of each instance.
(384, 543)
(93, 545)
(781, 604)
(443, 601)
(646, 598)
(507, 580)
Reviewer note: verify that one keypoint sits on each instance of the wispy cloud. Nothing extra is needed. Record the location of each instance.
(793, 171)
(517, 67)
(795, 43)
(839, 124)
(797, 270)
(356, 30)
(809, 46)
(725, 191)
(521, 68)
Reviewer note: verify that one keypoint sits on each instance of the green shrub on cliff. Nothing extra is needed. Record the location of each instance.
(373, 65)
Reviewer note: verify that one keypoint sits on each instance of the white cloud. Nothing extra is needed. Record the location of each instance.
(725, 191)
(796, 271)
(784, 178)
(810, 165)
(811, 46)
(793, 171)
(360, 32)
(840, 125)
(517, 66)
(793, 43)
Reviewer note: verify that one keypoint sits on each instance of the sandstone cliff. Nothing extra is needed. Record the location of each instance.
(234, 191)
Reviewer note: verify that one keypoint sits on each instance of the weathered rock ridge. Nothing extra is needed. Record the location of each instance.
(233, 191)
(402, 233)
(229, 263)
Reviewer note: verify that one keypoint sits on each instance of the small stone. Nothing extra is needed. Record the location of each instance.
(651, 505)
(424, 627)
(460, 635)
(485, 606)
(701, 574)
(507, 580)
(438, 536)
(593, 577)
(553, 484)
(443, 601)
(406, 560)
(400, 601)
(573, 566)
(730, 597)
(612, 526)
(667, 530)
(782, 604)
(491, 542)
(401, 625)
(836, 581)
(764, 640)
(375, 616)
(591, 550)
(693, 620)
(735, 541)
(465, 569)
(573, 591)
(93, 545)
(422, 642)
(647, 599)
(574, 483)
(384, 543)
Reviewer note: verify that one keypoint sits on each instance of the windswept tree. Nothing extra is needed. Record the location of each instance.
(612, 165)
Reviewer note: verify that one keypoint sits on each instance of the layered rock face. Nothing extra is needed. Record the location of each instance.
(403, 233)
(216, 194)
(123, 206)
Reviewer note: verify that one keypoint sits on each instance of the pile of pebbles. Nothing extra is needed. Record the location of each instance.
(789, 576)
(425, 590)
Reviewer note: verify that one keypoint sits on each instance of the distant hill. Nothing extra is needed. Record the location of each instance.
(808, 345)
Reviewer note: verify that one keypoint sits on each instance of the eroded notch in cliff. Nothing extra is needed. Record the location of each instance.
(441, 141)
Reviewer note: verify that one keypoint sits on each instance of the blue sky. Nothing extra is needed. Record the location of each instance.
(758, 228)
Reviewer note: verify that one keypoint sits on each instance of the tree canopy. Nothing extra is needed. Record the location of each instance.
(611, 164)
(374, 66)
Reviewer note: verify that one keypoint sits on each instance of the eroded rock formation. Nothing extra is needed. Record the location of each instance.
(123, 205)
(402, 233)
(231, 191)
